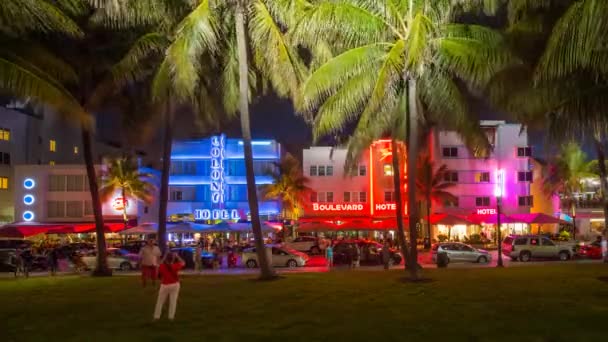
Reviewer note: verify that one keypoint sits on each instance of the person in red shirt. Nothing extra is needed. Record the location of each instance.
(169, 287)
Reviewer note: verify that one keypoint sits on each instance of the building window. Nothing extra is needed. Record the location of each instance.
(321, 197)
(451, 177)
(75, 182)
(362, 196)
(450, 152)
(346, 196)
(3, 183)
(482, 201)
(525, 201)
(362, 170)
(389, 196)
(329, 197)
(524, 151)
(321, 171)
(329, 170)
(524, 176)
(145, 209)
(176, 195)
(5, 134)
(313, 197)
(313, 170)
(482, 177)
(452, 204)
(73, 209)
(56, 183)
(6, 158)
(388, 169)
(75, 149)
(55, 209)
(88, 208)
(52, 163)
(52, 145)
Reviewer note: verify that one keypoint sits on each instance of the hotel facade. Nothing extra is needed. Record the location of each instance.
(365, 197)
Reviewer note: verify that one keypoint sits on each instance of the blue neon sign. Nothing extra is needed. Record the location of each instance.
(28, 216)
(28, 199)
(218, 154)
(29, 183)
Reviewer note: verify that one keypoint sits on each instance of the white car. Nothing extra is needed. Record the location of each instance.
(309, 244)
(119, 259)
(281, 257)
(460, 252)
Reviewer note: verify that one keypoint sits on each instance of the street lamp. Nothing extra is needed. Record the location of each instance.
(498, 193)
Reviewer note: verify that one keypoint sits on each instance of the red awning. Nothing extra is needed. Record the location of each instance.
(448, 219)
(334, 224)
(492, 219)
(24, 230)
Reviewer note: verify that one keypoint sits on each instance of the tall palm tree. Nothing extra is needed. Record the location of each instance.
(564, 175)
(389, 51)
(123, 175)
(228, 33)
(289, 186)
(433, 186)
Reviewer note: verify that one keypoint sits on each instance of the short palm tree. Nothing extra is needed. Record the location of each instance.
(432, 185)
(564, 175)
(289, 186)
(395, 52)
(123, 175)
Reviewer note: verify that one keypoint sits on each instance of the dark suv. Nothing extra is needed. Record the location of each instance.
(371, 253)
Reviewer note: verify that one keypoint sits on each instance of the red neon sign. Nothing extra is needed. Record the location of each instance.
(486, 211)
(337, 207)
(120, 203)
(385, 206)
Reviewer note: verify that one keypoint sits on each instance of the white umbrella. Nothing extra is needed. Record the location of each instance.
(144, 228)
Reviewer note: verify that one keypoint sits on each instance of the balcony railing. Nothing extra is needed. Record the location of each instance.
(583, 204)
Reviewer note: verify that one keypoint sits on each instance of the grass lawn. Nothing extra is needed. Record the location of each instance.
(549, 303)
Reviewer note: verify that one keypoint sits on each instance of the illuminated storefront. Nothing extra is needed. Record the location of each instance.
(208, 181)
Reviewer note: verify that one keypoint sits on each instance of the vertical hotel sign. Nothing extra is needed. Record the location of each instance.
(217, 169)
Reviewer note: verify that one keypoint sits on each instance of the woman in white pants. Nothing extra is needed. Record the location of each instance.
(169, 286)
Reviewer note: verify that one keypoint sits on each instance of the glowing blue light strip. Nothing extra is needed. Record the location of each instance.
(258, 142)
(207, 182)
(204, 157)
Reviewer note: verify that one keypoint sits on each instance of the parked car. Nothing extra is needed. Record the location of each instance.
(134, 246)
(14, 243)
(117, 259)
(309, 244)
(591, 250)
(81, 247)
(371, 253)
(281, 257)
(8, 262)
(460, 252)
(527, 247)
(187, 253)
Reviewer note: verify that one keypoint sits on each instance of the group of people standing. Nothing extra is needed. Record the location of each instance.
(167, 269)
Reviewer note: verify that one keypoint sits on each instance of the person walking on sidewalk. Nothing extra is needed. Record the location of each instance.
(329, 255)
(169, 286)
(198, 255)
(149, 256)
(386, 255)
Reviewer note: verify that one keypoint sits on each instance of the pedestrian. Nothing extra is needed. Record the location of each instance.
(169, 287)
(26, 261)
(356, 256)
(604, 245)
(53, 260)
(198, 254)
(149, 256)
(386, 255)
(329, 255)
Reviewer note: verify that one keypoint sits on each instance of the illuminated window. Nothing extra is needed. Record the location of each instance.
(176, 195)
(52, 162)
(4, 183)
(75, 149)
(482, 201)
(388, 169)
(5, 134)
(482, 177)
(524, 176)
(525, 201)
(52, 145)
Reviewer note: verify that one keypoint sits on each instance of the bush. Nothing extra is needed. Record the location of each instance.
(564, 236)
(473, 239)
(442, 238)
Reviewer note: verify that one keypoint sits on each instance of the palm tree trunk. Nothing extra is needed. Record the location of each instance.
(412, 156)
(164, 178)
(102, 263)
(428, 218)
(399, 200)
(124, 207)
(601, 159)
(266, 271)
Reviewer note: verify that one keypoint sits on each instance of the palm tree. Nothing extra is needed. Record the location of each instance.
(289, 186)
(433, 187)
(226, 33)
(123, 175)
(564, 175)
(397, 51)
